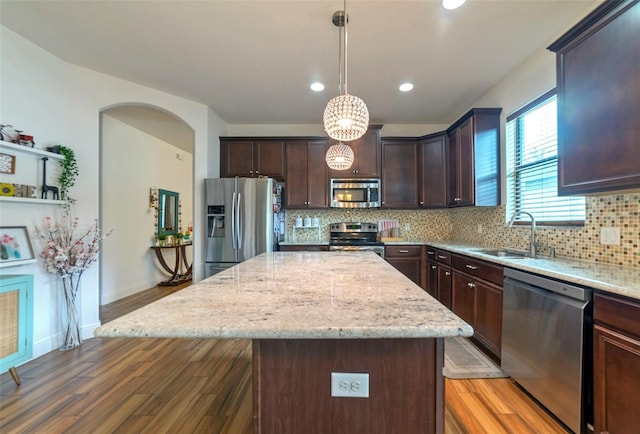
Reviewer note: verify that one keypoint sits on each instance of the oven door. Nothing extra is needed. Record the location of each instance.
(378, 250)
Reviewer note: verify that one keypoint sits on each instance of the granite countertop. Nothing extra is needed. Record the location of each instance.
(304, 243)
(610, 278)
(296, 295)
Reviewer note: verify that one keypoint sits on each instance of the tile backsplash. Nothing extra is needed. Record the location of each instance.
(487, 226)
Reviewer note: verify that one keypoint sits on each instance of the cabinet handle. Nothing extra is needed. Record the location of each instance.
(403, 251)
(430, 252)
(472, 267)
(457, 199)
(446, 273)
(471, 285)
(433, 267)
(442, 257)
(421, 203)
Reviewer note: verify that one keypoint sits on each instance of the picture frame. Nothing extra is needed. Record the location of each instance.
(7, 163)
(15, 246)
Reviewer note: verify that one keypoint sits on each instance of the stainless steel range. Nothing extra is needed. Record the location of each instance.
(355, 236)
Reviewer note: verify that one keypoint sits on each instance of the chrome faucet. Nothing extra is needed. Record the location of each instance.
(532, 243)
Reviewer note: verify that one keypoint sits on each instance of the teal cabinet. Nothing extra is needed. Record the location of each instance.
(16, 319)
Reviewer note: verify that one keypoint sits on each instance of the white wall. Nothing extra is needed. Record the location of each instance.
(132, 163)
(61, 103)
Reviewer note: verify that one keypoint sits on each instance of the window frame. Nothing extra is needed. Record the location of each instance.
(514, 171)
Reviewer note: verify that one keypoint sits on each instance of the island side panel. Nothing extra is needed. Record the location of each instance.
(292, 386)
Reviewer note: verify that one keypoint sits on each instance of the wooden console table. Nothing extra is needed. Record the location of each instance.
(177, 276)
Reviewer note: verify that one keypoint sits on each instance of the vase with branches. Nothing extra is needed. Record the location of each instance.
(68, 252)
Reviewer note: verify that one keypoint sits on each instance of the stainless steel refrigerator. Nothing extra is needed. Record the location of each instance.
(242, 220)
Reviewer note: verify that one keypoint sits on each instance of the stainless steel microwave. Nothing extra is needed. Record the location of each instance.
(355, 193)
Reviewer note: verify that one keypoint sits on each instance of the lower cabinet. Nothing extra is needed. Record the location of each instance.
(409, 260)
(304, 248)
(617, 365)
(438, 275)
(16, 319)
(477, 298)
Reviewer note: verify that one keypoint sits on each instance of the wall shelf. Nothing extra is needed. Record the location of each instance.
(26, 149)
(31, 200)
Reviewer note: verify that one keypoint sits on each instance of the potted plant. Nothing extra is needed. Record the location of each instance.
(68, 170)
(179, 236)
(162, 238)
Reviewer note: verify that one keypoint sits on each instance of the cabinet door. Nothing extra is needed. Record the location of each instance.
(598, 67)
(269, 158)
(433, 173)
(367, 156)
(400, 174)
(453, 144)
(432, 278)
(318, 174)
(296, 190)
(463, 297)
(236, 158)
(409, 266)
(465, 177)
(617, 381)
(444, 285)
(488, 327)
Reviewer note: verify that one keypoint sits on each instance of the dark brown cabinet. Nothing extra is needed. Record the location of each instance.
(304, 248)
(598, 65)
(399, 173)
(477, 298)
(474, 159)
(433, 171)
(409, 260)
(367, 156)
(438, 275)
(251, 158)
(616, 365)
(307, 184)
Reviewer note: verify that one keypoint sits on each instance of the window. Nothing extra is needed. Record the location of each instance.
(532, 166)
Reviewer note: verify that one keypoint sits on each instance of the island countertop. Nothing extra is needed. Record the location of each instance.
(296, 295)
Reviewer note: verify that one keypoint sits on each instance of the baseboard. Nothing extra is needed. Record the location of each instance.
(52, 343)
(125, 292)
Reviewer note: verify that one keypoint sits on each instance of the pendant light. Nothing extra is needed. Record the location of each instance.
(346, 116)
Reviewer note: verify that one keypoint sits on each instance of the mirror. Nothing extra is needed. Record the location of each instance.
(168, 202)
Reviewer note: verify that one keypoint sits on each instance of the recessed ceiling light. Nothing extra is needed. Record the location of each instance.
(405, 87)
(452, 4)
(317, 87)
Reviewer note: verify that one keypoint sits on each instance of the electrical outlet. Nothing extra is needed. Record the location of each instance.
(407, 226)
(610, 236)
(349, 385)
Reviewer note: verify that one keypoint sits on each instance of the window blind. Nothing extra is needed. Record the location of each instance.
(532, 166)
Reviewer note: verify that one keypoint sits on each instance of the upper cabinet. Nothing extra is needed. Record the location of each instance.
(251, 158)
(598, 70)
(474, 159)
(367, 156)
(307, 174)
(399, 173)
(433, 171)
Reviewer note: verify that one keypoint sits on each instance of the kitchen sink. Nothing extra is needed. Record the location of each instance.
(503, 253)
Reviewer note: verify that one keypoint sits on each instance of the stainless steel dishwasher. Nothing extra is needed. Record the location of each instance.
(547, 344)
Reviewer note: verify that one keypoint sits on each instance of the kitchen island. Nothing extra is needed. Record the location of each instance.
(311, 314)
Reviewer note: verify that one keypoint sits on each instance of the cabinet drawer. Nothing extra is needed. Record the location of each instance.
(402, 251)
(443, 257)
(617, 312)
(477, 268)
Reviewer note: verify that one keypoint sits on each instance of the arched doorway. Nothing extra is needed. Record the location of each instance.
(141, 147)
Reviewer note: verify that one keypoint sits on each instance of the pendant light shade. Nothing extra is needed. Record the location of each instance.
(339, 156)
(346, 116)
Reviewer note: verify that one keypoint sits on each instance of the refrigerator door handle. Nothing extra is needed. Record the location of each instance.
(233, 221)
(239, 223)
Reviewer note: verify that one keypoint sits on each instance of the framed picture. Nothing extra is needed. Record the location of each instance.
(7, 163)
(15, 246)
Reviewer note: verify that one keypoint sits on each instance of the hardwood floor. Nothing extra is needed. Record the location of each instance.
(198, 385)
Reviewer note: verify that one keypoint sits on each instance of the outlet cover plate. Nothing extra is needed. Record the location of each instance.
(610, 236)
(349, 385)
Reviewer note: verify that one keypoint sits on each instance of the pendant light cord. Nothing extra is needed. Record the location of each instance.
(346, 33)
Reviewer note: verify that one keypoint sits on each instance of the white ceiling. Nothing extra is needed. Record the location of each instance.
(252, 61)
